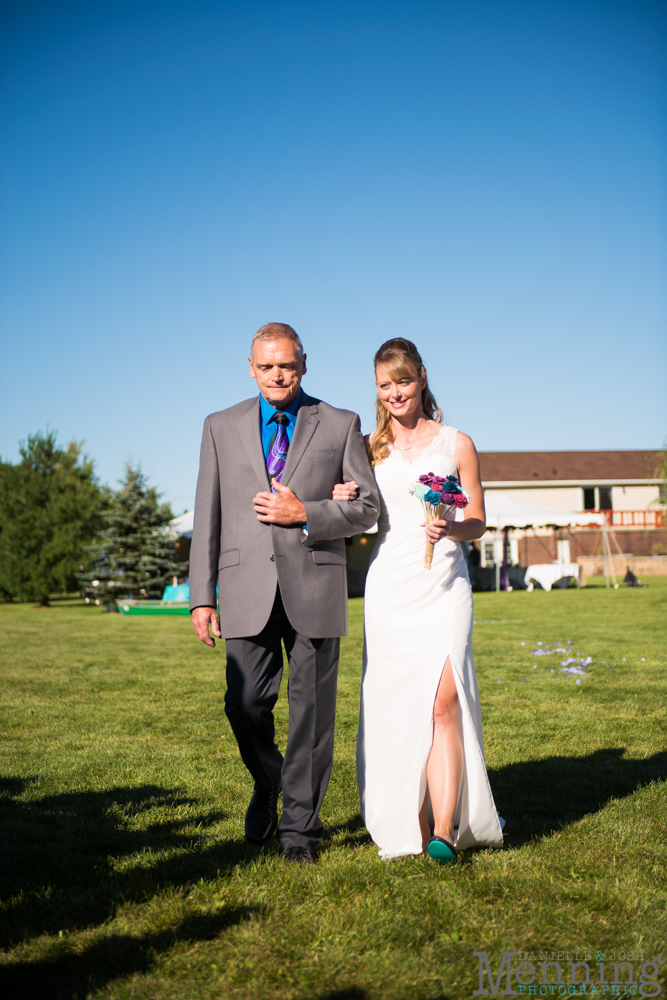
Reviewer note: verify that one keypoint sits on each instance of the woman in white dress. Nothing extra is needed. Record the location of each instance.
(420, 759)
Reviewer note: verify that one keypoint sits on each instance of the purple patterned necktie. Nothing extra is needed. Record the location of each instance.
(275, 462)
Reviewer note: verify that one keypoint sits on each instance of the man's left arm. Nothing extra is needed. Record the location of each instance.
(331, 519)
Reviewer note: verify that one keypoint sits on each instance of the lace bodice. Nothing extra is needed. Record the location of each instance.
(400, 511)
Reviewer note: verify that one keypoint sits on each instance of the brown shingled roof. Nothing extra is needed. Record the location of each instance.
(541, 466)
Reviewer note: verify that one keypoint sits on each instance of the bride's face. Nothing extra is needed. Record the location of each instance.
(402, 398)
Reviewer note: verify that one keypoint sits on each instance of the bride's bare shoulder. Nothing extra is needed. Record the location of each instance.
(465, 447)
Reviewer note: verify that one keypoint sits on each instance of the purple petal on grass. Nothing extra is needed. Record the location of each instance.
(497, 682)
(578, 682)
(522, 644)
(534, 666)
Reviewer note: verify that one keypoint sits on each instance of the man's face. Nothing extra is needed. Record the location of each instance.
(278, 368)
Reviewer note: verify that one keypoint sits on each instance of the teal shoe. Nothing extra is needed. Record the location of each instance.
(441, 850)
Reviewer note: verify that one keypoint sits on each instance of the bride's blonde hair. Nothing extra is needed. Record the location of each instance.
(400, 359)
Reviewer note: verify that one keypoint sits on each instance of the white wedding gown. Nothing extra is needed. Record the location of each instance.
(414, 619)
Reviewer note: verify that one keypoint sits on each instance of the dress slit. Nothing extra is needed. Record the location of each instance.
(423, 778)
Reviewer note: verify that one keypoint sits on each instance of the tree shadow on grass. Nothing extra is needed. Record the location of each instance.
(540, 797)
(69, 975)
(71, 860)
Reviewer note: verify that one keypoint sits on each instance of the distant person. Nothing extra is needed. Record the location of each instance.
(474, 554)
(420, 728)
(268, 532)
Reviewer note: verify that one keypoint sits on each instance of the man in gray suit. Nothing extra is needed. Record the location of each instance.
(267, 531)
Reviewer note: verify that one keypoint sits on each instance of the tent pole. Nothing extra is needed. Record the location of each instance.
(608, 558)
(604, 551)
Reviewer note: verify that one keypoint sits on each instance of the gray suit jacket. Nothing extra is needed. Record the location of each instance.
(246, 557)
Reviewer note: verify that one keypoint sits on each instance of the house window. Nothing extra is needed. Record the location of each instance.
(489, 559)
(597, 498)
(604, 495)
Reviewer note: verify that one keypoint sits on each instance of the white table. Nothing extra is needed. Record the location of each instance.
(546, 574)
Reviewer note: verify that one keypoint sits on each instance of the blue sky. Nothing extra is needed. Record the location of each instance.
(486, 178)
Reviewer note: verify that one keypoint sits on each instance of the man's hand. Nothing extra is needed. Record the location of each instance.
(201, 619)
(282, 507)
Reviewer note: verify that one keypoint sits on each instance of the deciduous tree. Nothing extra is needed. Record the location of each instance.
(50, 509)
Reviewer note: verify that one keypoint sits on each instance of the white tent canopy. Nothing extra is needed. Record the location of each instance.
(503, 511)
(182, 525)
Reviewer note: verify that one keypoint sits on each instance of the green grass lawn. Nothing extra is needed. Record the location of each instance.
(125, 873)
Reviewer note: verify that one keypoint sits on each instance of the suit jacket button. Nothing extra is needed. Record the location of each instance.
(272, 558)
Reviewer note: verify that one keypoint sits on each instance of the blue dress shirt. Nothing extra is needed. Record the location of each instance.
(268, 428)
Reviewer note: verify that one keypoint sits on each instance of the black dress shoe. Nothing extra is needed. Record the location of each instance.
(299, 855)
(261, 818)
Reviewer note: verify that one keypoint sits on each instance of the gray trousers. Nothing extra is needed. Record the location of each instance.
(254, 673)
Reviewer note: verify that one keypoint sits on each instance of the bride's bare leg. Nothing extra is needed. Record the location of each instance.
(445, 764)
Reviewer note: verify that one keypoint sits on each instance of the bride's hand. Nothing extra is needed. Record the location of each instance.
(437, 530)
(344, 492)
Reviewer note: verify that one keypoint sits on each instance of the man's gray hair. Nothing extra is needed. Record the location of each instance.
(277, 331)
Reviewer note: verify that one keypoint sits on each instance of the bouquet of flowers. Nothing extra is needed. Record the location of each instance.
(439, 496)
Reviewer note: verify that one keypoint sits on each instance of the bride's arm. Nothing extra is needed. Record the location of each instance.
(348, 491)
(474, 524)
(344, 492)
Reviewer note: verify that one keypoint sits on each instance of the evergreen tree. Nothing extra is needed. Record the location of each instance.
(135, 555)
(50, 509)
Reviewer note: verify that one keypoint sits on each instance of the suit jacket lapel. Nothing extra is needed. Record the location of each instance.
(306, 425)
(248, 426)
